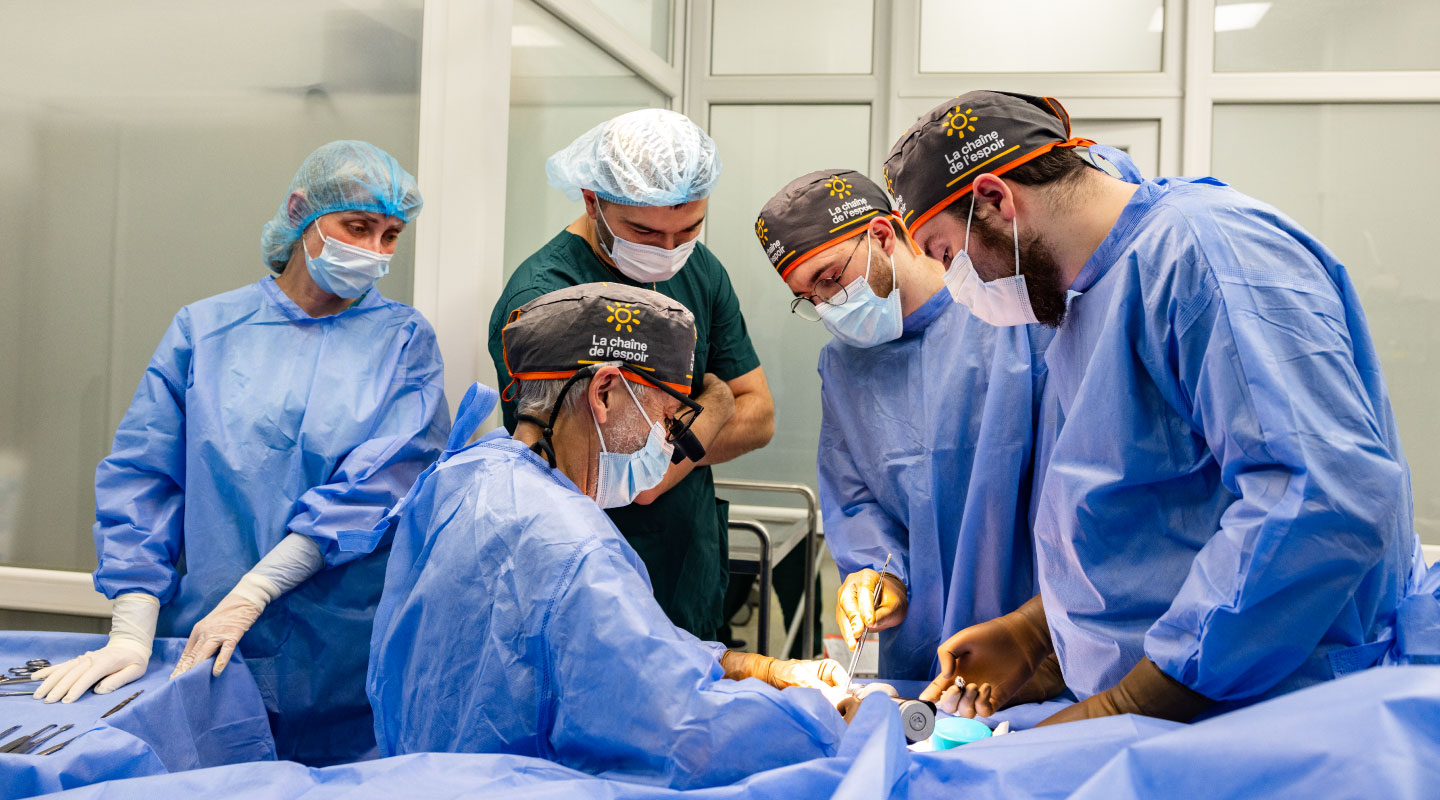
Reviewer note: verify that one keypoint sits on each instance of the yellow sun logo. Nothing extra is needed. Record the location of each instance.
(762, 231)
(889, 182)
(957, 122)
(624, 316)
(838, 186)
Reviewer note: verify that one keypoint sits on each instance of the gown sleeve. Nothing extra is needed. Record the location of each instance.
(409, 434)
(633, 695)
(1267, 363)
(140, 486)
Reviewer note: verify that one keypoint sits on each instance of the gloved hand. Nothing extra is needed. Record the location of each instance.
(286, 566)
(1146, 690)
(781, 674)
(855, 608)
(810, 674)
(979, 700)
(122, 660)
(220, 630)
(1005, 653)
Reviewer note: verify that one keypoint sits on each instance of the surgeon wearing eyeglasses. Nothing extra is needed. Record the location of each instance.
(517, 619)
(927, 424)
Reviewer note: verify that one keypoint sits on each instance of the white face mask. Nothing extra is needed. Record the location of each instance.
(344, 269)
(622, 476)
(1002, 302)
(865, 319)
(645, 263)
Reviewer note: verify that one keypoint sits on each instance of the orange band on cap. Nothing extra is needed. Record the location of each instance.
(838, 239)
(961, 192)
(785, 273)
(557, 375)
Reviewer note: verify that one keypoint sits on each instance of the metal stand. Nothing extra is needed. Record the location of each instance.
(762, 567)
(812, 532)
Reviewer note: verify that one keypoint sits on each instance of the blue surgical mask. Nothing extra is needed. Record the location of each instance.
(344, 269)
(1003, 302)
(622, 476)
(865, 319)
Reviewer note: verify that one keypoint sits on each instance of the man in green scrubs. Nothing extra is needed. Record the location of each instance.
(645, 178)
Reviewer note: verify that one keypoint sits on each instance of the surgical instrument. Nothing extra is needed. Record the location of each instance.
(35, 743)
(19, 679)
(17, 694)
(57, 748)
(123, 703)
(32, 666)
(16, 744)
(865, 630)
(9, 731)
(917, 718)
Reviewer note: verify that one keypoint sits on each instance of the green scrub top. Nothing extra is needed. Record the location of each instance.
(682, 536)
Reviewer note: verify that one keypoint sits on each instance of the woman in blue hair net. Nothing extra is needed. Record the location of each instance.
(271, 418)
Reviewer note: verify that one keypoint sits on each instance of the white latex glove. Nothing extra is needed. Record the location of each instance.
(218, 633)
(122, 660)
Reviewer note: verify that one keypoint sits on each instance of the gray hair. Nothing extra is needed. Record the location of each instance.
(536, 398)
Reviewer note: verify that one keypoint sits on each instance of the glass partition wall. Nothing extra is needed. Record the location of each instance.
(147, 145)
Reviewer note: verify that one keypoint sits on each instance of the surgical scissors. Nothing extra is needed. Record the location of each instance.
(30, 667)
(25, 673)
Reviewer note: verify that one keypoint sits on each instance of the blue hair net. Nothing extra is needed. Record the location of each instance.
(650, 157)
(344, 175)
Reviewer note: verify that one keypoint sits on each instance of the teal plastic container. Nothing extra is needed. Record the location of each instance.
(954, 731)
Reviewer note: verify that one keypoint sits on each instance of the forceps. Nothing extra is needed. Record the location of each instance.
(860, 642)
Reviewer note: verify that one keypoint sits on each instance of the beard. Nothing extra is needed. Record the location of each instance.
(882, 279)
(627, 429)
(1043, 279)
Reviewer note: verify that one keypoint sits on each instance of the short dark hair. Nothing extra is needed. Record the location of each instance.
(1060, 168)
(1061, 165)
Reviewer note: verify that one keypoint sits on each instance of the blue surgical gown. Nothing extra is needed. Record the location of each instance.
(1228, 495)
(516, 619)
(926, 447)
(254, 420)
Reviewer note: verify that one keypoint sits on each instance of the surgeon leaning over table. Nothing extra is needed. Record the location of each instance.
(270, 418)
(645, 179)
(517, 619)
(1226, 512)
(927, 424)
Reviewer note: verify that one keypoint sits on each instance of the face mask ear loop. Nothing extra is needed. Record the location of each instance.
(968, 219)
(1015, 235)
(609, 251)
(868, 262)
(894, 279)
(305, 247)
(597, 431)
(637, 400)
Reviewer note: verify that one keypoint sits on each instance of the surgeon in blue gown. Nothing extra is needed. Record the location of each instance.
(1226, 515)
(928, 421)
(516, 618)
(271, 418)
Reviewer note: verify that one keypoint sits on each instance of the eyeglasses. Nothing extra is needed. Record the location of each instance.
(677, 427)
(807, 306)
